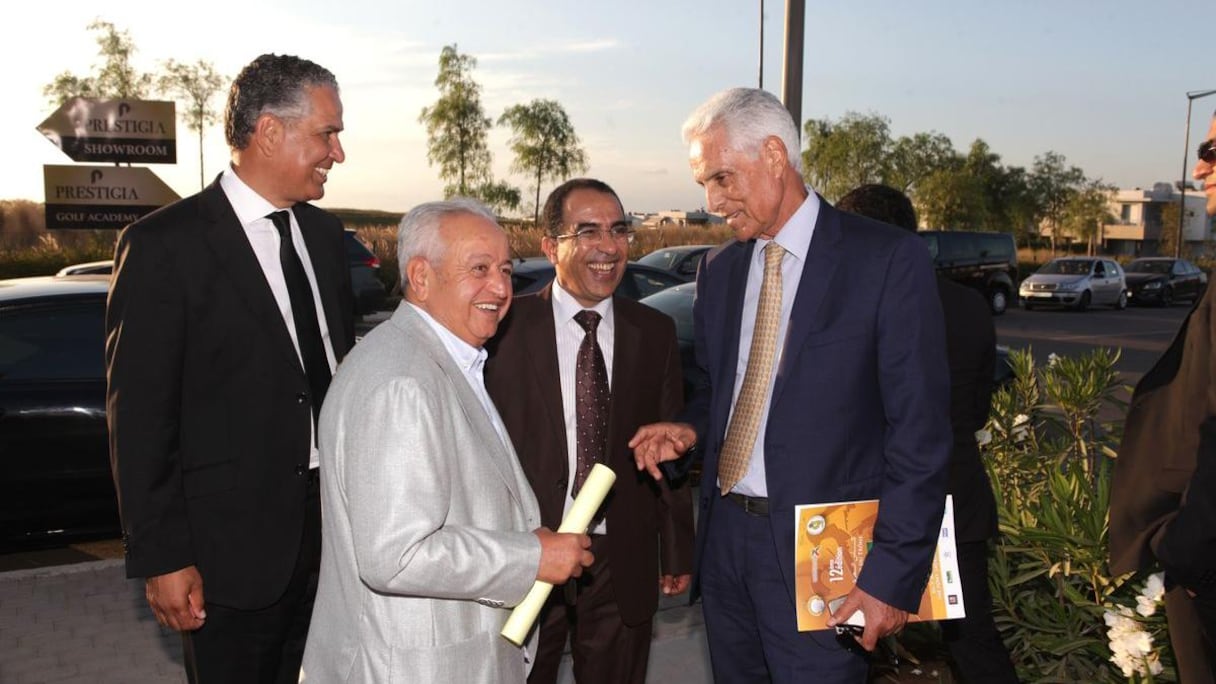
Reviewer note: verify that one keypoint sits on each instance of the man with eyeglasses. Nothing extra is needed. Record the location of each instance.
(574, 370)
(1163, 495)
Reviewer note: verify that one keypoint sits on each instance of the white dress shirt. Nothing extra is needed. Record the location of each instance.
(569, 338)
(251, 210)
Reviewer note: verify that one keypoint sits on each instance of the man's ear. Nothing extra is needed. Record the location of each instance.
(268, 132)
(548, 246)
(775, 156)
(419, 276)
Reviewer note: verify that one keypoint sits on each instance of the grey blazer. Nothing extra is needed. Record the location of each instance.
(427, 520)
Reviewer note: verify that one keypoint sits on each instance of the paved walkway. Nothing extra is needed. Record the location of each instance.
(87, 623)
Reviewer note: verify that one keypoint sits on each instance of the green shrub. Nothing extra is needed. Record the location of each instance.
(1053, 435)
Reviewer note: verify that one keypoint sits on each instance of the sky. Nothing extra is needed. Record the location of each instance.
(1102, 82)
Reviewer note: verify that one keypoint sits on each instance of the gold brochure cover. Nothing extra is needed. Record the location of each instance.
(831, 541)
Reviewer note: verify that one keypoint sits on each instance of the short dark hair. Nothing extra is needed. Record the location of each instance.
(551, 216)
(275, 84)
(882, 203)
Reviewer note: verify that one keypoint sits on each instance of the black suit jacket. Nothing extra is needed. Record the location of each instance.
(971, 353)
(642, 515)
(208, 406)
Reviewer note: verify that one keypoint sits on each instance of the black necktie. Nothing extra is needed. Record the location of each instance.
(591, 399)
(303, 312)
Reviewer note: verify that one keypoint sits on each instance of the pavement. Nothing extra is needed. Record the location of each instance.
(85, 622)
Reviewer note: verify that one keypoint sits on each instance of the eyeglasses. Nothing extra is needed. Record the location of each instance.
(589, 236)
(1207, 151)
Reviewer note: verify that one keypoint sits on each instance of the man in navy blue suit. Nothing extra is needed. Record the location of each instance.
(827, 381)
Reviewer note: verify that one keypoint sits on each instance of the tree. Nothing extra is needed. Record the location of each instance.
(1087, 211)
(544, 143)
(952, 200)
(457, 127)
(841, 156)
(1053, 185)
(115, 78)
(195, 83)
(498, 196)
(915, 158)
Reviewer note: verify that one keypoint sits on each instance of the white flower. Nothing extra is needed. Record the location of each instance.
(1052, 359)
(1154, 586)
(1131, 647)
(982, 437)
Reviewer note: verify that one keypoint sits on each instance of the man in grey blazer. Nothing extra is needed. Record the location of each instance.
(431, 531)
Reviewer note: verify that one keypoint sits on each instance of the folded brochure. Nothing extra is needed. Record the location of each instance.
(830, 545)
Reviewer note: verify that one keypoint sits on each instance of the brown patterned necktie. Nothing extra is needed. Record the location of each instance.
(745, 422)
(591, 394)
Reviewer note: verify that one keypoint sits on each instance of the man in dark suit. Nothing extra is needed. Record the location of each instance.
(1163, 494)
(535, 376)
(974, 643)
(822, 337)
(228, 312)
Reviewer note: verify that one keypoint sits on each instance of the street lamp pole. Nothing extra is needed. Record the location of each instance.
(1186, 149)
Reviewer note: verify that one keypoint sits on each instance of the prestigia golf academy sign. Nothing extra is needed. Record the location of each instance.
(101, 196)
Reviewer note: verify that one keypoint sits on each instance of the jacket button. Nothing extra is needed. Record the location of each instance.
(301, 469)
(301, 398)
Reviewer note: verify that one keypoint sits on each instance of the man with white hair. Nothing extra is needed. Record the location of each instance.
(824, 346)
(431, 531)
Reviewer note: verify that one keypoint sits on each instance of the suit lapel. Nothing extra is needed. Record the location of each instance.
(320, 253)
(235, 256)
(627, 351)
(541, 336)
(814, 287)
(737, 256)
(499, 452)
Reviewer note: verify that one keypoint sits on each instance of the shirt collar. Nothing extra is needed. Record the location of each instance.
(470, 359)
(566, 306)
(795, 236)
(248, 205)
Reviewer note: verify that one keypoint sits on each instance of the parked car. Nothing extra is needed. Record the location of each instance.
(533, 273)
(987, 262)
(1077, 282)
(55, 483)
(681, 261)
(677, 303)
(1162, 280)
(364, 273)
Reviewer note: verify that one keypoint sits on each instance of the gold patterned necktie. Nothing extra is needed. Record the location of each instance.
(745, 421)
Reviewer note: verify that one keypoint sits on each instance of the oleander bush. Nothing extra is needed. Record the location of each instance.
(1049, 447)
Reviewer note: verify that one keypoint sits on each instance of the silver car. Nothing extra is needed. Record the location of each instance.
(1076, 282)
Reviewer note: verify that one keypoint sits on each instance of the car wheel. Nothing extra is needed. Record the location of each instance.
(1083, 302)
(1167, 297)
(998, 301)
(1121, 302)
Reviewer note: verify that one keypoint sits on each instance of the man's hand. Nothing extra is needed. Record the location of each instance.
(562, 556)
(674, 585)
(881, 619)
(176, 599)
(658, 442)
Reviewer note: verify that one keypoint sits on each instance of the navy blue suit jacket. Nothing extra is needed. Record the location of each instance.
(860, 405)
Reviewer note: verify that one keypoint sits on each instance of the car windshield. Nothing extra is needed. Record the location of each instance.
(1066, 267)
(1147, 266)
(664, 259)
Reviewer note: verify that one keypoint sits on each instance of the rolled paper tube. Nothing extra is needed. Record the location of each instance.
(588, 501)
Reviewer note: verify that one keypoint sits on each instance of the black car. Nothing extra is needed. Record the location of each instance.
(55, 483)
(987, 262)
(677, 303)
(364, 273)
(681, 261)
(533, 273)
(1163, 280)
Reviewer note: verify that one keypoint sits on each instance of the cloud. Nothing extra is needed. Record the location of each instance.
(542, 51)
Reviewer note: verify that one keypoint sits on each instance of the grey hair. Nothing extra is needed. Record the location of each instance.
(271, 84)
(418, 235)
(747, 116)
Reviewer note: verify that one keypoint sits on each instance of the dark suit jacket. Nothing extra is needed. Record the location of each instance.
(860, 405)
(971, 353)
(642, 515)
(207, 403)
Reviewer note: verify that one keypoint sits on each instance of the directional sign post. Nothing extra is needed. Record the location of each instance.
(101, 196)
(139, 131)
